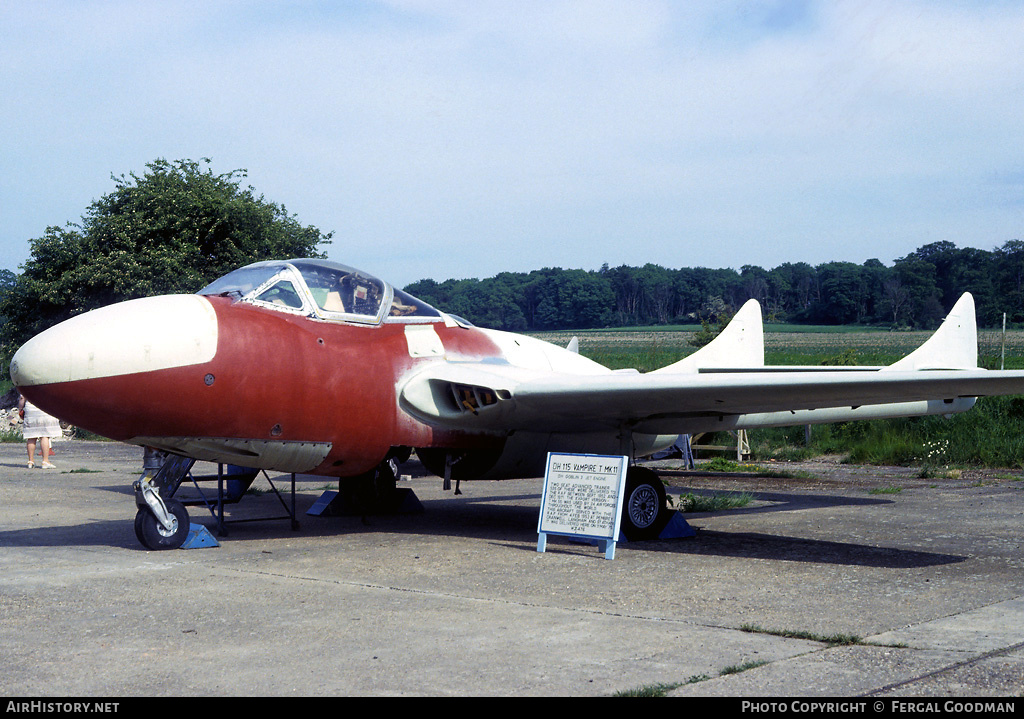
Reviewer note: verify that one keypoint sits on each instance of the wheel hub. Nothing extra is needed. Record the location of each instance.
(643, 506)
(164, 532)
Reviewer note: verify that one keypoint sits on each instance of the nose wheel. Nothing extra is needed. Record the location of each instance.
(154, 534)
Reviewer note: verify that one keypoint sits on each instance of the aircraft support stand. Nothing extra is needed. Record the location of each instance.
(231, 487)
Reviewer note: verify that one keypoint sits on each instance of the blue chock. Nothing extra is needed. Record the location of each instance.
(199, 537)
(677, 528)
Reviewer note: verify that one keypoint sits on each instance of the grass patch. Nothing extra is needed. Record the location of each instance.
(650, 690)
(989, 435)
(661, 689)
(691, 502)
(81, 470)
(721, 464)
(892, 489)
(929, 472)
(781, 453)
(786, 474)
(737, 668)
(834, 640)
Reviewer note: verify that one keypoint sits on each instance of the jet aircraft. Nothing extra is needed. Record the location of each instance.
(310, 366)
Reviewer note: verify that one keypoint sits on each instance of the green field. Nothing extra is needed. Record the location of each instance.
(649, 348)
(990, 435)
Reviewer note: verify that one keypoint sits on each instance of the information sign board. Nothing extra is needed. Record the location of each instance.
(583, 498)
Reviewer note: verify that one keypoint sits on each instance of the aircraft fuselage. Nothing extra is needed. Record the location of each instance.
(279, 385)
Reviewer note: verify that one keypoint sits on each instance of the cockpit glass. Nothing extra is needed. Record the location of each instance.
(339, 292)
(281, 294)
(242, 281)
(340, 289)
(405, 305)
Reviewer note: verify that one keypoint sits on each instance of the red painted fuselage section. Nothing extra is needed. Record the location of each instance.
(280, 378)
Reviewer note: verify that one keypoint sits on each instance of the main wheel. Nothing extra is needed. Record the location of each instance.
(644, 509)
(374, 492)
(154, 536)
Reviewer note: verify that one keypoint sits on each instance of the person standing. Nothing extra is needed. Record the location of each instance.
(38, 425)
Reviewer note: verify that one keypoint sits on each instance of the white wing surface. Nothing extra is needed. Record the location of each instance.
(711, 392)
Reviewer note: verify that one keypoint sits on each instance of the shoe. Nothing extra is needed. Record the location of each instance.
(31, 465)
(47, 465)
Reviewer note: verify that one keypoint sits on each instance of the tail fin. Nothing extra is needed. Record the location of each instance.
(953, 346)
(740, 344)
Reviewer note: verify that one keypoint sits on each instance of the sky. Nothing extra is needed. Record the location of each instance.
(462, 138)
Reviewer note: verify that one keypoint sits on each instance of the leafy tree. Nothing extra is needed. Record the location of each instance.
(627, 288)
(174, 229)
(917, 277)
(895, 297)
(573, 299)
(714, 290)
(875, 274)
(975, 272)
(792, 288)
(842, 293)
(487, 303)
(7, 280)
(658, 293)
(755, 283)
(707, 333)
(689, 297)
(507, 300)
(1010, 268)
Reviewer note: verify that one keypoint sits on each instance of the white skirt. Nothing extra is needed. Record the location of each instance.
(39, 424)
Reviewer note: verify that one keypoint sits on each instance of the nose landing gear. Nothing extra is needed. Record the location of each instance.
(168, 532)
(162, 522)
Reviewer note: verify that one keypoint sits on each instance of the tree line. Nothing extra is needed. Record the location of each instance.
(915, 292)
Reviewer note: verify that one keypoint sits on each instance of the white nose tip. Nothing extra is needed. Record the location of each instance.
(142, 335)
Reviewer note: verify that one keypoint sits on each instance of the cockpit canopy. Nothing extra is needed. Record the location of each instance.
(321, 288)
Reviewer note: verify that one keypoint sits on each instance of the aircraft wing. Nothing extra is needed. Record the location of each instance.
(940, 377)
(496, 401)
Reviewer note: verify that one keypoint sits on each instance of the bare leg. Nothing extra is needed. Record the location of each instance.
(31, 445)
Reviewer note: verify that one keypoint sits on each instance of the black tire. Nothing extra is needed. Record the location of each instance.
(375, 492)
(152, 534)
(644, 508)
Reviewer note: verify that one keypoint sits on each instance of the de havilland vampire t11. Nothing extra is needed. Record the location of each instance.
(309, 366)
